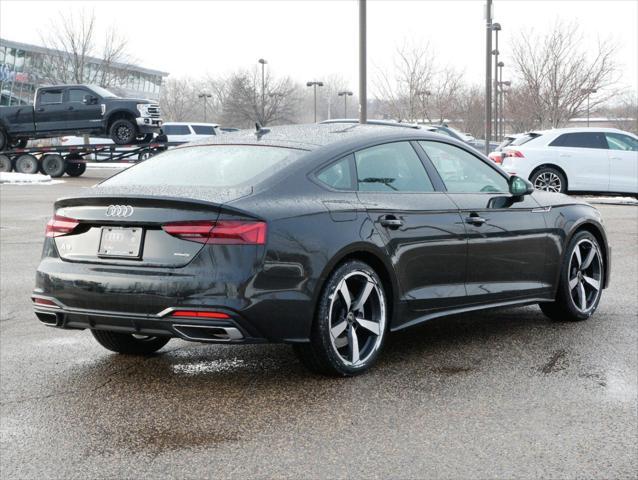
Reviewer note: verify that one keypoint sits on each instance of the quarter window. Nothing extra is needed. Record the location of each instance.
(618, 141)
(338, 175)
(393, 167)
(461, 171)
(581, 140)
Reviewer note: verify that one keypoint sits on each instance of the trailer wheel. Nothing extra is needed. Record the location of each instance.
(123, 132)
(53, 165)
(5, 164)
(75, 169)
(4, 139)
(27, 163)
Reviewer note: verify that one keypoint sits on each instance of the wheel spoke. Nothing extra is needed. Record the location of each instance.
(338, 329)
(582, 297)
(353, 344)
(363, 298)
(578, 257)
(369, 325)
(572, 283)
(593, 282)
(345, 294)
(589, 258)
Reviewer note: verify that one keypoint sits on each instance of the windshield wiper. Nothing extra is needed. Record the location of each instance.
(384, 180)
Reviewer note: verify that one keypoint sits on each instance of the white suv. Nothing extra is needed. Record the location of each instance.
(188, 131)
(576, 159)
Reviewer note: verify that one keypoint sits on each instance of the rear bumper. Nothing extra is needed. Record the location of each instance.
(161, 324)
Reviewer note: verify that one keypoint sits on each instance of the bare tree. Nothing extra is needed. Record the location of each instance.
(555, 73)
(470, 105)
(623, 113)
(75, 56)
(242, 105)
(402, 89)
(179, 100)
(444, 95)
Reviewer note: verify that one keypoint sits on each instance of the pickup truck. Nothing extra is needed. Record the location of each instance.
(79, 110)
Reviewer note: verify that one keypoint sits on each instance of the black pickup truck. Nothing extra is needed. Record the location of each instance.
(77, 110)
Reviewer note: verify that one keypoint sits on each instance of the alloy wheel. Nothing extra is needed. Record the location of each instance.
(123, 132)
(548, 182)
(585, 275)
(357, 318)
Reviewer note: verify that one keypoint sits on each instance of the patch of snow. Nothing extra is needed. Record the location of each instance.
(610, 200)
(15, 178)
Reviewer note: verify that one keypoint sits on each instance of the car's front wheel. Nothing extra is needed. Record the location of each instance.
(581, 281)
(129, 343)
(350, 322)
(123, 132)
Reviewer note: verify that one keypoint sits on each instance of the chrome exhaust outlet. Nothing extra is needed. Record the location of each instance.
(203, 333)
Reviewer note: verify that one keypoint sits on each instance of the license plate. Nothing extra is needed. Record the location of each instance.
(120, 242)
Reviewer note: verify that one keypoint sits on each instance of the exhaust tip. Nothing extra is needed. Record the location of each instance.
(47, 318)
(202, 333)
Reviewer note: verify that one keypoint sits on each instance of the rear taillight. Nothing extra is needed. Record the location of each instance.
(44, 302)
(496, 157)
(513, 153)
(223, 232)
(199, 314)
(60, 225)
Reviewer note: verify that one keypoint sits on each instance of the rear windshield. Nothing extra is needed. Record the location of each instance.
(209, 166)
(524, 139)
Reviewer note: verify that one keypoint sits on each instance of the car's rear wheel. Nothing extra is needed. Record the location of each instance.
(549, 179)
(123, 132)
(350, 323)
(129, 343)
(581, 281)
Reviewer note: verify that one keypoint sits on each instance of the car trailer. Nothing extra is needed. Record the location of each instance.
(55, 161)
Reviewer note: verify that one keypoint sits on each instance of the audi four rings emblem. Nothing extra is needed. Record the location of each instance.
(119, 211)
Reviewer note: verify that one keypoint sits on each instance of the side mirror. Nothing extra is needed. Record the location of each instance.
(88, 99)
(519, 186)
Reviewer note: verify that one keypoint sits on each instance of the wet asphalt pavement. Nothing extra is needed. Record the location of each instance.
(505, 394)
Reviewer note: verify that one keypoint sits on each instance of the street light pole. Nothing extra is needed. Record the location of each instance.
(345, 94)
(315, 84)
(205, 96)
(588, 91)
(363, 99)
(263, 89)
(497, 97)
(501, 109)
(488, 75)
(496, 27)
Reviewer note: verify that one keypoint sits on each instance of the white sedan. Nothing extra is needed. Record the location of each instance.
(576, 159)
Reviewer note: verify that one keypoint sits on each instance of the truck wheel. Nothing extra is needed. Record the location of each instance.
(123, 132)
(27, 163)
(5, 164)
(18, 142)
(53, 165)
(75, 169)
(3, 140)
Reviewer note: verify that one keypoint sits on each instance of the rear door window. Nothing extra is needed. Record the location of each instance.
(618, 141)
(225, 166)
(580, 140)
(176, 130)
(392, 167)
(50, 97)
(203, 129)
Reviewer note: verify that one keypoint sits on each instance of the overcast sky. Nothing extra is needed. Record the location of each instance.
(310, 39)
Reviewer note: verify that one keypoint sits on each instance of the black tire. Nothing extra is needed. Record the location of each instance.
(4, 140)
(326, 353)
(145, 138)
(53, 165)
(18, 143)
(549, 179)
(6, 165)
(128, 343)
(123, 132)
(74, 169)
(568, 305)
(27, 163)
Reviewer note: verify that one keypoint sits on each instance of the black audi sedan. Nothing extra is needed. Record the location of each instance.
(326, 237)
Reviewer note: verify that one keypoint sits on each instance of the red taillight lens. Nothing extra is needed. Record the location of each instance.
(496, 157)
(513, 153)
(199, 314)
(225, 232)
(60, 225)
(44, 302)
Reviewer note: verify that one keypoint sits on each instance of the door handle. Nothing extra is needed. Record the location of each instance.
(70, 108)
(474, 219)
(564, 155)
(41, 109)
(390, 221)
(615, 158)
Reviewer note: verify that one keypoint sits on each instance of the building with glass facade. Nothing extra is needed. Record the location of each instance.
(24, 68)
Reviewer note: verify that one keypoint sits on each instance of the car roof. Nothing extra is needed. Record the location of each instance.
(389, 123)
(553, 131)
(315, 136)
